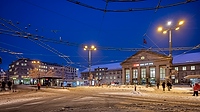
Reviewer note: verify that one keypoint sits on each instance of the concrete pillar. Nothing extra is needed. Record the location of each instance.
(123, 76)
(131, 75)
(157, 73)
(139, 75)
(147, 74)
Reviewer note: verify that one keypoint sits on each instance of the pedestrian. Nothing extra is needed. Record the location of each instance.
(38, 85)
(9, 84)
(3, 85)
(169, 85)
(163, 85)
(196, 88)
(158, 84)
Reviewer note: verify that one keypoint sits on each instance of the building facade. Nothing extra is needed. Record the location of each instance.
(147, 67)
(27, 71)
(103, 74)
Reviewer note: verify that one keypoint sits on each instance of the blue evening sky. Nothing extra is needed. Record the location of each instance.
(66, 21)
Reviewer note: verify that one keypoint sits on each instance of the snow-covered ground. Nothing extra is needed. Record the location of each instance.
(183, 93)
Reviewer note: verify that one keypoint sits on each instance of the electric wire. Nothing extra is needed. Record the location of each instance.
(131, 9)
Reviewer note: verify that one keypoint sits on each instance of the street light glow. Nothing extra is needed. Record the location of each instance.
(164, 32)
(169, 31)
(160, 29)
(169, 23)
(181, 22)
(177, 28)
(92, 47)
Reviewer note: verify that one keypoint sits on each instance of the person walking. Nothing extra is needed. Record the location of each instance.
(3, 85)
(158, 84)
(196, 88)
(163, 85)
(9, 84)
(169, 85)
(38, 85)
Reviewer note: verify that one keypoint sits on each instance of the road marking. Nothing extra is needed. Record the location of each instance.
(59, 98)
(13, 107)
(34, 103)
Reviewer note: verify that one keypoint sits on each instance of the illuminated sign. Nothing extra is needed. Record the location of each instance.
(136, 65)
(142, 64)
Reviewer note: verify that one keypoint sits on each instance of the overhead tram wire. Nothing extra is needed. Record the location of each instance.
(44, 39)
(58, 53)
(104, 13)
(62, 15)
(124, 0)
(145, 34)
(132, 9)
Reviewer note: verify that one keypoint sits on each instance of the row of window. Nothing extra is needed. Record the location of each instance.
(108, 77)
(184, 68)
(143, 73)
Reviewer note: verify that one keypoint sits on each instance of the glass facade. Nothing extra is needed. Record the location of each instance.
(127, 75)
(162, 73)
(153, 75)
(143, 75)
(135, 76)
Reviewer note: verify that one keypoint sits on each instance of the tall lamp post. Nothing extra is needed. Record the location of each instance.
(169, 30)
(90, 49)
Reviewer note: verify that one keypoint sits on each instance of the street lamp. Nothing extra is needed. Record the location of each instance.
(169, 30)
(90, 49)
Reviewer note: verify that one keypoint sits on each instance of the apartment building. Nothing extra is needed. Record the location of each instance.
(28, 71)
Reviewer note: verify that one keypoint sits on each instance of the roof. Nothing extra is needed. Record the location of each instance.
(187, 58)
(178, 59)
(110, 66)
(145, 51)
(192, 76)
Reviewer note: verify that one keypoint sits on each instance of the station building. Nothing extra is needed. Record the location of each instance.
(147, 67)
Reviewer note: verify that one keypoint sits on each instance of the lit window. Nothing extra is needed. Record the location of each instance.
(192, 67)
(184, 68)
(135, 73)
(176, 68)
(127, 75)
(152, 72)
(17, 63)
(143, 73)
(162, 73)
(13, 65)
(110, 77)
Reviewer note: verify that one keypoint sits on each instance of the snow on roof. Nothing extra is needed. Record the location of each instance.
(187, 58)
(183, 58)
(110, 66)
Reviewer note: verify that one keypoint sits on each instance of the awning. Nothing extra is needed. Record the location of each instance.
(192, 76)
